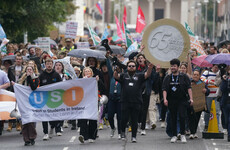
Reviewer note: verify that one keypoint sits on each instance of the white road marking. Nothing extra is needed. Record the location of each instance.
(216, 148)
(72, 139)
(65, 148)
(214, 143)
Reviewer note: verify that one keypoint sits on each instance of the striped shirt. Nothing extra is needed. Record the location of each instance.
(208, 76)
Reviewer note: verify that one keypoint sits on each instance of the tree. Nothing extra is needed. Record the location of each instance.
(33, 16)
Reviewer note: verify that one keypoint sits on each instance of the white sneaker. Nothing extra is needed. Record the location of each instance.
(147, 126)
(112, 132)
(195, 136)
(191, 136)
(51, 132)
(183, 139)
(173, 139)
(78, 129)
(59, 134)
(225, 131)
(143, 132)
(46, 137)
(134, 140)
(119, 136)
(91, 141)
(163, 125)
(65, 124)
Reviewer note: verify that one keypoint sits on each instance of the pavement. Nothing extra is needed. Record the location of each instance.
(154, 140)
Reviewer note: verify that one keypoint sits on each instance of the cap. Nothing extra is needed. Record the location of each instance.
(68, 40)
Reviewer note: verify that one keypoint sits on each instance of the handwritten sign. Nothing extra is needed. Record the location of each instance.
(44, 43)
(71, 29)
(82, 45)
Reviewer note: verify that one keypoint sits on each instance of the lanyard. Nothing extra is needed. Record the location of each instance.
(176, 79)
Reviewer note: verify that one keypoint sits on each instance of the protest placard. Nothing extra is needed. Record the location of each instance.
(71, 29)
(82, 45)
(198, 97)
(44, 43)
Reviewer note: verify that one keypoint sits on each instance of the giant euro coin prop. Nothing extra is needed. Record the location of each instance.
(165, 40)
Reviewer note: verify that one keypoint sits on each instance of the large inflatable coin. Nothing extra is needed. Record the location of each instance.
(165, 40)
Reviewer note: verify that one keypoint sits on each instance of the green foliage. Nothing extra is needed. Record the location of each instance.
(34, 16)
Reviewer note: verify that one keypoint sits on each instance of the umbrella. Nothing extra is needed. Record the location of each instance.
(85, 53)
(221, 58)
(53, 42)
(220, 44)
(201, 62)
(9, 57)
(114, 48)
(130, 52)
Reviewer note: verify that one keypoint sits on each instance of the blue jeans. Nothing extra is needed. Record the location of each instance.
(227, 117)
(208, 104)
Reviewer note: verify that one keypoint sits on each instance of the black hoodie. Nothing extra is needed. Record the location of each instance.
(49, 78)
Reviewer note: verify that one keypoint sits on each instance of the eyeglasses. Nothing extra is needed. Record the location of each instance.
(131, 66)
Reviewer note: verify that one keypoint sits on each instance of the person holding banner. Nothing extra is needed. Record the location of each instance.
(50, 76)
(14, 73)
(88, 128)
(59, 68)
(4, 83)
(29, 78)
(131, 96)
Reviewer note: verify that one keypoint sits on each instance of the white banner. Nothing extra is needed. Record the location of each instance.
(7, 104)
(71, 29)
(68, 100)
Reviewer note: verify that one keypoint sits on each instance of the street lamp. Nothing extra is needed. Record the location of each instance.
(206, 18)
(214, 19)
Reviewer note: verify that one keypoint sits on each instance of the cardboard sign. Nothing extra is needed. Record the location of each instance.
(198, 97)
(71, 30)
(54, 34)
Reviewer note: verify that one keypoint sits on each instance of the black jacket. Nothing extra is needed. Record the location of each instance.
(49, 78)
(11, 76)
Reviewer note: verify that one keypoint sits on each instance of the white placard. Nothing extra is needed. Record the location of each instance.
(71, 29)
(82, 45)
(44, 43)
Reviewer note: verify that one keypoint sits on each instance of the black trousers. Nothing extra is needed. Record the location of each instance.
(131, 111)
(114, 107)
(53, 124)
(1, 126)
(193, 119)
(163, 111)
(144, 111)
(88, 128)
(178, 109)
